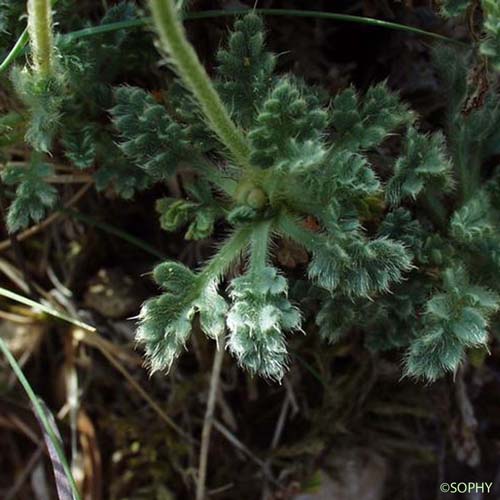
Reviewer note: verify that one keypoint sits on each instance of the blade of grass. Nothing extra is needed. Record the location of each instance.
(63, 486)
(322, 15)
(46, 309)
(114, 231)
(42, 417)
(209, 14)
(16, 51)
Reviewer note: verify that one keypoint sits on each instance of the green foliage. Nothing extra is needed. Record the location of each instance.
(452, 8)
(490, 44)
(475, 227)
(399, 239)
(287, 129)
(33, 195)
(66, 108)
(472, 222)
(472, 128)
(424, 164)
(80, 147)
(490, 47)
(5, 14)
(400, 225)
(206, 212)
(454, 319)
(257, 320)
(93, 63)
(166, 320)
(390, 322)
(188, 113)
(451, 67)
(310, 160)
(176, 213)
(90, 66)
(150, 138)
(245, 69)
(352, 265)
(43, 97)
(10, 13)
(363, 124)
(115, 172)
(11, 128)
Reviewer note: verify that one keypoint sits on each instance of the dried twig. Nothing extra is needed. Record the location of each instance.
(278, 430)
(209, 419)
(70, 179)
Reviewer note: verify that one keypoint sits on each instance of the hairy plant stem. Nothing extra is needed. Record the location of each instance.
(259, 247)
(173, 40)
(41, 37)
(227, 254)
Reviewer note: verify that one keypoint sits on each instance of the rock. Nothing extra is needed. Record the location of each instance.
(356, 475)
(114, 294)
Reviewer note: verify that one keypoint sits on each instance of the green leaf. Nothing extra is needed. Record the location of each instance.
(358, 267)
(115, 171)
(433, 354)
(150, 138)
(336, 318)
(176, 213)
(490, 46)
(365, 123)
(285, 120)
(165, 321)
(33, 195)
(257, 320)
(80, 146)
(455, 318)
(423, 165)
(473, 221)
(400, 225)
(453, 8)
(245, 69)
(43, 96)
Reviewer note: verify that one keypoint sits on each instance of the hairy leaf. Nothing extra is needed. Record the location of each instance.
(165, 321)
(365, 123)
(33, 196)
(424, 165)
(245, 69)
(257, 320)
(150, 138)
(455, 318)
